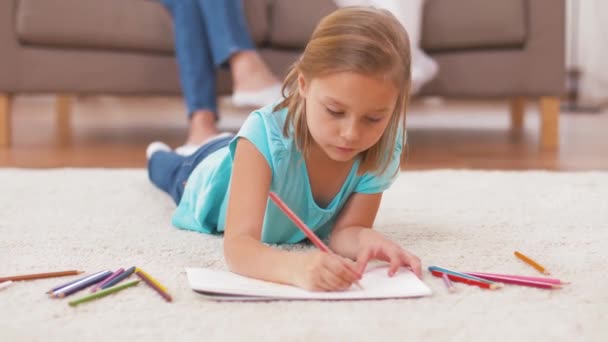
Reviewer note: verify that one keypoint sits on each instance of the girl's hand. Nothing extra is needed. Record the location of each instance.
(320, 271)
(373, 245)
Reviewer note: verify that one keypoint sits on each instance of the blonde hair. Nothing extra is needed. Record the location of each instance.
(363, 40)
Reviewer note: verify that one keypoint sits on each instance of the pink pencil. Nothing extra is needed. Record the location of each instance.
(539, 279)
(300, 224)
(516, 281)
(110, 277)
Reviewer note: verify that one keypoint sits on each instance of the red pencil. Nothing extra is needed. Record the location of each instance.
(300, 224)
(467, 281)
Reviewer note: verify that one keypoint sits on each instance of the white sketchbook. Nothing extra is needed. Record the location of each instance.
(224, 285)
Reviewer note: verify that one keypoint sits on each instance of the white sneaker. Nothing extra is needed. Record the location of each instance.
(258, 98)
(155, 147)
(188, 149)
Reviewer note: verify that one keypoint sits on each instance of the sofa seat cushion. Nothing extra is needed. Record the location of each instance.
(137, 25)
(447, 24)
(473, 24)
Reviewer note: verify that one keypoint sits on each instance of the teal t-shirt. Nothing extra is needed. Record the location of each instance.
(205, 199)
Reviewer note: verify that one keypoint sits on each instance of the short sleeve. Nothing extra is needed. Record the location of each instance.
(371, 183)
(255, 130)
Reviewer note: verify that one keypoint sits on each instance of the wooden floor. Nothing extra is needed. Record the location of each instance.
(113, 132)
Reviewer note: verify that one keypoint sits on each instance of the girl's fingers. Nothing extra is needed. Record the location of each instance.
(363, 258)
(335, 281)
(413, 262)
(395, 262)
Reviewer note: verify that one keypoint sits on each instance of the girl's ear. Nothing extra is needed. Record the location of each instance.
(302, 86)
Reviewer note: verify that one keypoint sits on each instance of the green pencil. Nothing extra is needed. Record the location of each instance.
(103, 293)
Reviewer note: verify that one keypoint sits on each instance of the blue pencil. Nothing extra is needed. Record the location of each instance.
(118, 279)
(458, 274)
(75, 287)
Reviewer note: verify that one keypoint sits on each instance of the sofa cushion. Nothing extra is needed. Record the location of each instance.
(473, 24)
(140, 25)
(447, 24)
(293, 22)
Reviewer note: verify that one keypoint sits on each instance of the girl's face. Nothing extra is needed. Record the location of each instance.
(347, 112)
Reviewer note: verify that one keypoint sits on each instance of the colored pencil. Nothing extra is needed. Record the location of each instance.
(458, 274)
(40, 275)
(118, 279)
(5, 284)
(539, 279)
(81, 285)
(518, 281)
(467, 281)
(448, 282)
(302, 226)
(153, 284)
(108, 279)
(531, 262)
(70, 283)
(103, 293)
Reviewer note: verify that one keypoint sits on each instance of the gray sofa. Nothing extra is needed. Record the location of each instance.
(501, 49)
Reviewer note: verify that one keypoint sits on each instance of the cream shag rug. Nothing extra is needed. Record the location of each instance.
(471, 221)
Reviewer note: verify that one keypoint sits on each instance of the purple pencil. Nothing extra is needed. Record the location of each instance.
(70, 289)
(56, 288)
(108, 279)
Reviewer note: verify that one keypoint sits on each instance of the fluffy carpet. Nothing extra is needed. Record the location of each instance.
(105, 219)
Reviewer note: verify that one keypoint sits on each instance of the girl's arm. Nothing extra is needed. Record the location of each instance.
(358, 214)
(353, 237)
(245, 254)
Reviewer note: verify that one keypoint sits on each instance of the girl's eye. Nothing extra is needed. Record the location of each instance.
(333, 112)
(373, 119)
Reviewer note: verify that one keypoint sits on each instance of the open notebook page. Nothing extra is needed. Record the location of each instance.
(376, 285)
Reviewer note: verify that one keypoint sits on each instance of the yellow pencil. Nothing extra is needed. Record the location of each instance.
(532, 263)
(154, 281)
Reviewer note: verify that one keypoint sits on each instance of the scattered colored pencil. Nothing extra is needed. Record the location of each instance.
(539, 279)
(5, 284)
(81, 285)
(118, 279)
(103, 293)
(153, 284)
(468, 281)
(108, 279)
(40, 275)
(517, 281)
(531, 262)
(67, 284)
(458, 274)
(302, 226)
(448, 282)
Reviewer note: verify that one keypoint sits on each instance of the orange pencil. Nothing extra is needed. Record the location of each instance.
(302, 226)
(40, 275)
(531, 262)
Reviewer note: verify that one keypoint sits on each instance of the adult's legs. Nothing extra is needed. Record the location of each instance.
(231, 44)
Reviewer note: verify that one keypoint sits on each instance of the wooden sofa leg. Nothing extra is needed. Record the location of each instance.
(5, 120)
(549, 112)
(517, 107)
(63, 111)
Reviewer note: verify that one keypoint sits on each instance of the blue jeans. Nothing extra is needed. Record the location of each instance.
(169, 171)
(207, 33)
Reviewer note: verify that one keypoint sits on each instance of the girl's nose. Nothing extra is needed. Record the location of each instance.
(350, 131)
